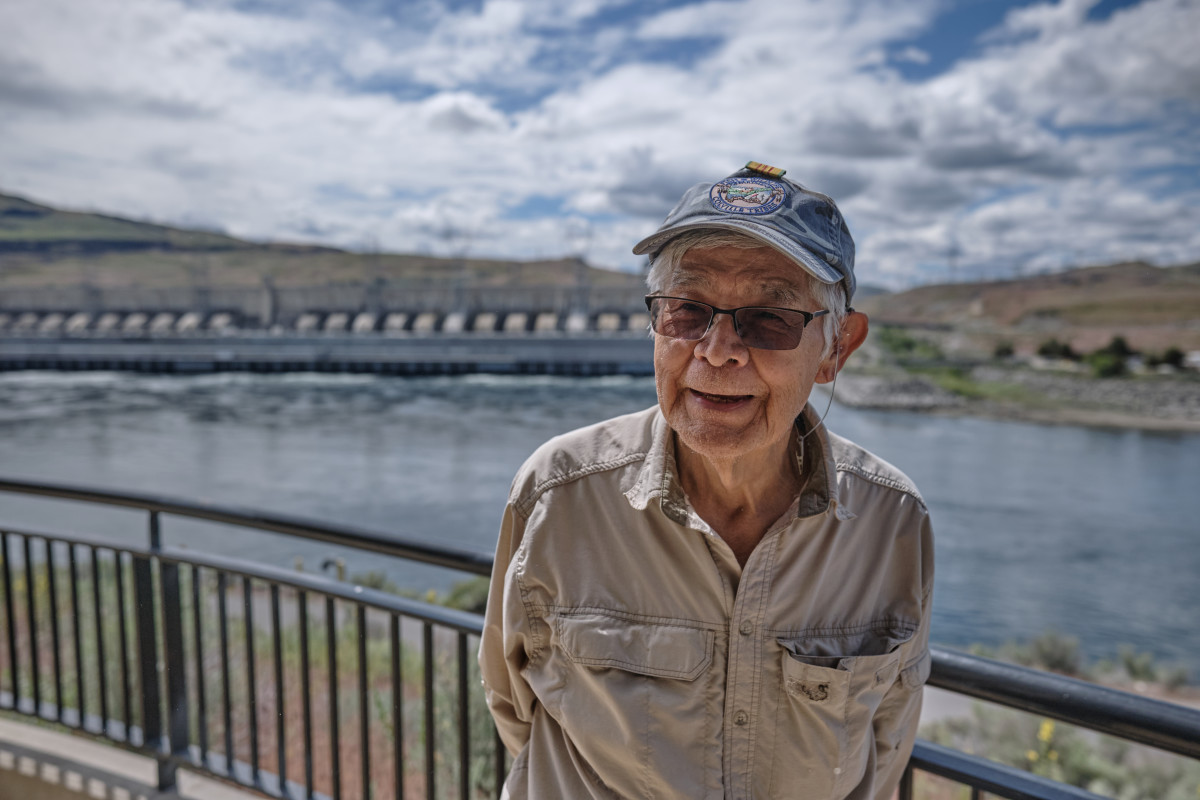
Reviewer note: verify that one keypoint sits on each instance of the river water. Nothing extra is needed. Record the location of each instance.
(1087, 531)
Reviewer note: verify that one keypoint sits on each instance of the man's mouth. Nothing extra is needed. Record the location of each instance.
(722, 398)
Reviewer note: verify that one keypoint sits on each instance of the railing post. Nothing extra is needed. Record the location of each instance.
(906, 783)
(143, 589)
(173, 650)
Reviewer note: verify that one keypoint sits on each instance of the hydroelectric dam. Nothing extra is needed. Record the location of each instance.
(560, 332)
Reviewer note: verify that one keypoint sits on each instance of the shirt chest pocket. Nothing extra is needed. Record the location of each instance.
(629, 692)
(651, 649)
(829, 691)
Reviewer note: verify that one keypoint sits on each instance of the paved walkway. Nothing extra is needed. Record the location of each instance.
(39, 763)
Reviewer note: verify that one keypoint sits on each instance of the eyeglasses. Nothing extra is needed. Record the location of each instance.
(761, 327)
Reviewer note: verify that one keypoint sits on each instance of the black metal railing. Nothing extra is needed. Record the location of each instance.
(289, 683)
(297, 685)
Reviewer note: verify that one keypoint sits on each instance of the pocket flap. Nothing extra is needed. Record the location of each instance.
(826, 648)
(667, 651)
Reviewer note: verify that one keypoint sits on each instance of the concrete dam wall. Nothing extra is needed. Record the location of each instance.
(384, 329)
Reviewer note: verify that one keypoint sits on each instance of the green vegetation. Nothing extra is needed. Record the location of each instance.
(1051, 651)
(1171, 357)
(905, 347)
(961, 382)
(1100, 764)
(1053, 348)
(467, 595)
(1106, 365)
(1110, 361)
(1057, 652)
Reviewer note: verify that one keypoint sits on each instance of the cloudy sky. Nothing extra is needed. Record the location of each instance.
(960, 137)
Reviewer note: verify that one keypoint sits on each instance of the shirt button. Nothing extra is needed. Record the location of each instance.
(746, 628)
(741, 718)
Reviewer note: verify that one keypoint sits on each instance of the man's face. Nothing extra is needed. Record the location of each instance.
(725, 400)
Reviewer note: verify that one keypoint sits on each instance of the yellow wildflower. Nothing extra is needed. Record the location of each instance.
(1031, 755)
(1052, 755)
(1046, 731)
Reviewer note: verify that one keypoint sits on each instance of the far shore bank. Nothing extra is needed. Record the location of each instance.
(1152, 404)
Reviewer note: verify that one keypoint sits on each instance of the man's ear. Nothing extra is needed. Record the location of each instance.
(851, 335)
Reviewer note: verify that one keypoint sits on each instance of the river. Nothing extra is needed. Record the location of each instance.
(1090, 532)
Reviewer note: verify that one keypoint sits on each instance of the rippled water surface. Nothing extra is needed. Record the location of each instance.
(1088, 531)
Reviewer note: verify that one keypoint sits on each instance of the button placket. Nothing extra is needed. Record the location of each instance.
(743, 676)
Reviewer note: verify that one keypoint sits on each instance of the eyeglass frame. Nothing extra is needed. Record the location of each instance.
(808, 316)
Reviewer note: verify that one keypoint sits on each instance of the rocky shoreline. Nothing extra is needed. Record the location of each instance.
(1150, 403)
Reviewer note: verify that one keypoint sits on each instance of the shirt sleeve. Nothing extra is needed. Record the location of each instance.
(899, 713)
(503, 650)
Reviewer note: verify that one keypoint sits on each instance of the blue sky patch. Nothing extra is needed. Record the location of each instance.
(536, 206)
(953, 36)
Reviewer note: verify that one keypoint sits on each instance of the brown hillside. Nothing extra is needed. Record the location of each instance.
(1153, 307)
(45, 246)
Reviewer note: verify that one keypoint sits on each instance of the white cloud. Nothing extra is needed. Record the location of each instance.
(914, 55)
(1063, 139)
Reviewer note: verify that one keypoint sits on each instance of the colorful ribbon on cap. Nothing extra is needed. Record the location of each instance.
(765, 169)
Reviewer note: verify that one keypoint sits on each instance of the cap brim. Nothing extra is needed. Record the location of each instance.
(801, 255)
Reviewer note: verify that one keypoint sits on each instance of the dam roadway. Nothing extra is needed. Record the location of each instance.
(538, 353)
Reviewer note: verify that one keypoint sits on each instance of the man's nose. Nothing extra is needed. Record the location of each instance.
(721, 343)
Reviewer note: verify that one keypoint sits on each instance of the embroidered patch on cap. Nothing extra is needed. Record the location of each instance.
(747, 195)
(765, 169)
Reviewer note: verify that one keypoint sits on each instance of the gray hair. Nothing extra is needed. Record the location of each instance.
(664, 272)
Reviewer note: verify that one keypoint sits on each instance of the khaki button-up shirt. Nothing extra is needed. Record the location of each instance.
(626, 654)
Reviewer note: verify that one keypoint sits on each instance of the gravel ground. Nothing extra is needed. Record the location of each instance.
(1156, 398)
(901, 393)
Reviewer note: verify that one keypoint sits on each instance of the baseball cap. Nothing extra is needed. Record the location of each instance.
(758, 201)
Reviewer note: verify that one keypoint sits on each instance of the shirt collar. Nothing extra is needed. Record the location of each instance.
(659, 475)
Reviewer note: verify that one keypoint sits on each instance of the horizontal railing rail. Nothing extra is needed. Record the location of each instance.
(215, 663)
(342, 535)
(1166, 726)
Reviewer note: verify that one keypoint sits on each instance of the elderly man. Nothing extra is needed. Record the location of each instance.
(716, 598)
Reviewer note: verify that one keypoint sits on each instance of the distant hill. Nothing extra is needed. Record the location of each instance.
(865, 290)
(45, 246)
(30, 227)
(1152, 306)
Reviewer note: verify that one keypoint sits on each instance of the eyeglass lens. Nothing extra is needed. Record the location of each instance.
(763, 328)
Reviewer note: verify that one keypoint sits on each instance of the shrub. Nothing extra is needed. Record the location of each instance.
(1053, 348)
(1102, 765)
(375, 579)
(1057, 653)
(1003, 350)
(468, 595)
(1117, 346)
(1138, 666)
(1105, 364)
(1172, 356)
